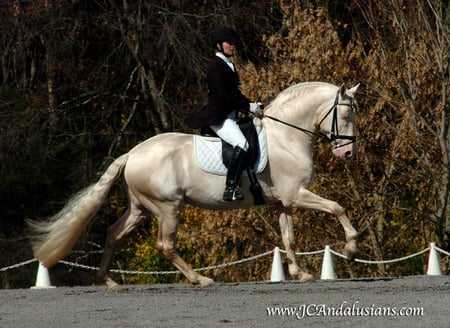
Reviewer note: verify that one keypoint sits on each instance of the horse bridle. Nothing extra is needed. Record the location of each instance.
(334, 131)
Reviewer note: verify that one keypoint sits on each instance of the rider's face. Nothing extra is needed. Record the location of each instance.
(228, 48)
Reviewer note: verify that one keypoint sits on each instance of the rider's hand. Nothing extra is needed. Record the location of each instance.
(256, 106)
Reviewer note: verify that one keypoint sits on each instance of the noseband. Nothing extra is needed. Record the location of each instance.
(334, 131)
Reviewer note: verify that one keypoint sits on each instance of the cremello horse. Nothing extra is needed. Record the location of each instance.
(162, 174)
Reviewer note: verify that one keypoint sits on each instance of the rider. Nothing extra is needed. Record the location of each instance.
(224, 101)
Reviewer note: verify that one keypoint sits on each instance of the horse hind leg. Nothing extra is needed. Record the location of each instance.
(168, 225)
(132, 218)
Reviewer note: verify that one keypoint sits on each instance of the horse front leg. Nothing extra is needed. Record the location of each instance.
(306, 199)
(287, 234)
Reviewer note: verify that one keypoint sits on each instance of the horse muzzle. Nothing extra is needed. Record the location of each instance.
(346, 151)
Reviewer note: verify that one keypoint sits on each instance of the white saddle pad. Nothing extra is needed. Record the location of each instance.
(208, 152)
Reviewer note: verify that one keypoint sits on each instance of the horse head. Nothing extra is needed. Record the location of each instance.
(339, 123)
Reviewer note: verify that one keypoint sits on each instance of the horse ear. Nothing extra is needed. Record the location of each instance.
(342, 90)
(352, 91)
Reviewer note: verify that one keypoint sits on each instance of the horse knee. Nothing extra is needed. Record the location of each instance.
(338, 210)
(168, 251)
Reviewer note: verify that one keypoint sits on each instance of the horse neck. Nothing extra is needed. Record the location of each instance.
(303, 110)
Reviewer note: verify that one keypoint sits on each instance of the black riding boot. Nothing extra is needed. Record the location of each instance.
(232, 190)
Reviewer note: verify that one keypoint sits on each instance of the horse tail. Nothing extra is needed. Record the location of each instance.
(52, 240)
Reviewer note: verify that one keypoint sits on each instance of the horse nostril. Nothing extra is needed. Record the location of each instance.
(348, 154)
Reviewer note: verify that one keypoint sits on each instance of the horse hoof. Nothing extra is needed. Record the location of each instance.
(306, 277)
(111, 285)
(350, 250)
(205, 282)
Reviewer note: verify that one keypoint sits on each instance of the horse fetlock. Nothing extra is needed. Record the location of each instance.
(294, 270)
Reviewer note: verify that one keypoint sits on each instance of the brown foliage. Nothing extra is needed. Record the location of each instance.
(387, 190)
(103, 81)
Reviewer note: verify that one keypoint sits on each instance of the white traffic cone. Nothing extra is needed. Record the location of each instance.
(434, 268)
(42, 278)
(327, 266)
(277, 273)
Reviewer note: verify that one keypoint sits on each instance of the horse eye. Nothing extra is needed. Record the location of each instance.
(345, 115)
(348, 115)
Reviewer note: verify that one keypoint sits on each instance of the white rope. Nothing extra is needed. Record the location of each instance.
(441, 250)
(382, 262)
(15, 266)
(311, 253)
(82, 266)
(304, 253)
(235, 262)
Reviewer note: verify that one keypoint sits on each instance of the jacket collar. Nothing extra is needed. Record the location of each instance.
(226, 60)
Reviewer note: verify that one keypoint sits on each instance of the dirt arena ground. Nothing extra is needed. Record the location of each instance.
(420, 301)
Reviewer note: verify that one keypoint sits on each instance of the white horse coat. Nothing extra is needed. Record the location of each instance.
(162, 175)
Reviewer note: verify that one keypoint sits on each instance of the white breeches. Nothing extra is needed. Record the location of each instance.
(229, 131)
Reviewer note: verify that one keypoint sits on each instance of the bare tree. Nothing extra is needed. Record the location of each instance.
(160, 41)
(411, 42)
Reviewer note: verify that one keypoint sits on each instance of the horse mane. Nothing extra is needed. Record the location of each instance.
(295, 91)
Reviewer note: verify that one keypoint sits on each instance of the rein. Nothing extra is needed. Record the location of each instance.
(334, 133)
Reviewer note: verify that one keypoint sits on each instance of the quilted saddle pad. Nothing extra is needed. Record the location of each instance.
(208, 152)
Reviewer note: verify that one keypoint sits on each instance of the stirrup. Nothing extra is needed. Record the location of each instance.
(232, 193)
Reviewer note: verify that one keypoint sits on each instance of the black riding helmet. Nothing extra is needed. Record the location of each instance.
(223, 33)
